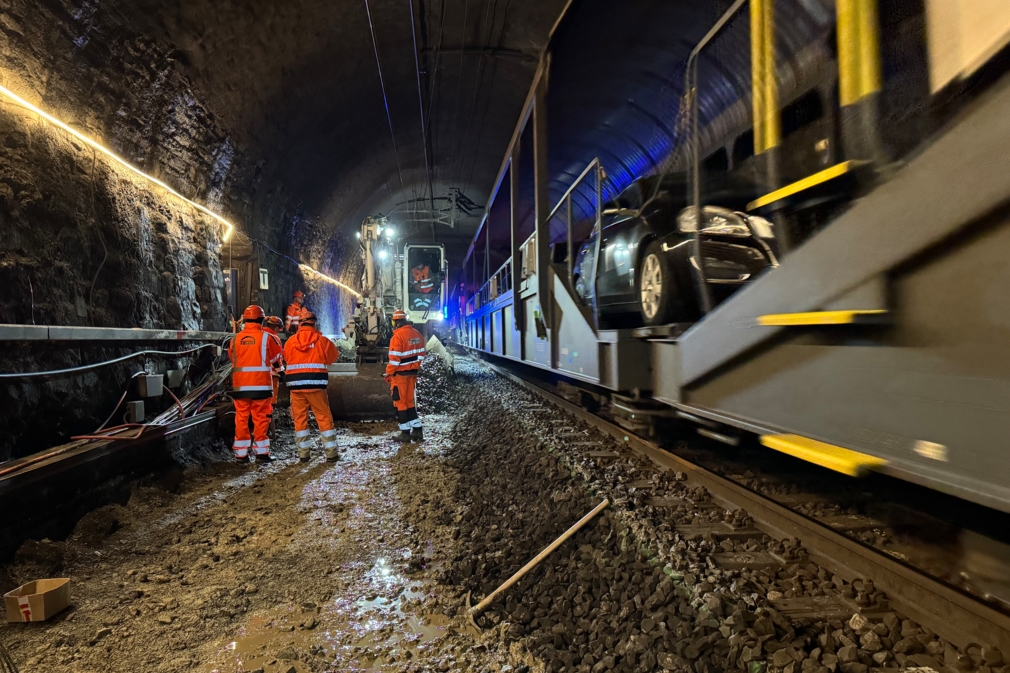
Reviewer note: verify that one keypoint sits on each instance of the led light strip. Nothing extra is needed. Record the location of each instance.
(88, 141)
(305, 267)
(229, 227)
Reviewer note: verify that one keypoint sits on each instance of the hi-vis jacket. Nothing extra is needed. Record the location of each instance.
(308, 354)
(255, 355)
(292, 317)
(406, 351)
(422, 279)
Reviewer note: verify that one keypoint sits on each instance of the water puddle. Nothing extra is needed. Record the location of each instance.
(377, 613)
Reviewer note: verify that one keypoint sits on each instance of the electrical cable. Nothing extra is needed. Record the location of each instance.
(121, 398)
(98, 365)
(432, 89)
(420, 107)
(459, 87)
(385, 101)
(182, 412)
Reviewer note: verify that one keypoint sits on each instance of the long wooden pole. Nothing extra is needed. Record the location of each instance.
(477, 609)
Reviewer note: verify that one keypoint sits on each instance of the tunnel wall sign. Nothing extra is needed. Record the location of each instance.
(264, 279)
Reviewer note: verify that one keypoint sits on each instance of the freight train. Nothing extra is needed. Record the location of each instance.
(814, 203)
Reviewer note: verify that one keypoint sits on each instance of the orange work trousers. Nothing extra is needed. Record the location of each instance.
(319, 402)
(257, 410)
(401, 388)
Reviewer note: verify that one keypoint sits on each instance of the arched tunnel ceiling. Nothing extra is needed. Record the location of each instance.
(617, 76)
(298, 81)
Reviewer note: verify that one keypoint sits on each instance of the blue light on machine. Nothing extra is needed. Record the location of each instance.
(445, 313)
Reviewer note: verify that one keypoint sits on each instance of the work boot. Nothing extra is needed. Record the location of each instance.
(264, 458)
(304, 455)
(417, 434)
(332, 455)
(244, 459)
(404, 436)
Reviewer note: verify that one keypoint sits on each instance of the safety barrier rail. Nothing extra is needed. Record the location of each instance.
(501, 281)
(75, 333)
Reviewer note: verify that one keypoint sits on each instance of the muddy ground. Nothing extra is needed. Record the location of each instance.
(370, 564)
(288, 567)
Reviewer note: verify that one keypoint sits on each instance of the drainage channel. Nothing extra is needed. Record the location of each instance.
(951, 614)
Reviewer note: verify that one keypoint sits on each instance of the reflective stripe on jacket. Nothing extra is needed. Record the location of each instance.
(423, 280)
(255, 356)
(406, 351)
(307, 355)
(279, 368)
(292, 317)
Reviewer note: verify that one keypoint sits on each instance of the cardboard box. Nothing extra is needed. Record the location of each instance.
(37, 601)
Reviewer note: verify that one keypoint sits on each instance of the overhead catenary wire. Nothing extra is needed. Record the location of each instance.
(385, 100)
(420, 107)
(434, 90)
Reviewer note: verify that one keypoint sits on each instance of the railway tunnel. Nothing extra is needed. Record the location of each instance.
(656, 336)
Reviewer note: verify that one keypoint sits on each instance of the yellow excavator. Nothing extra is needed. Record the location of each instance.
(397, 273)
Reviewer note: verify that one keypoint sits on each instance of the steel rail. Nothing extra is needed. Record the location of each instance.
(950, 613)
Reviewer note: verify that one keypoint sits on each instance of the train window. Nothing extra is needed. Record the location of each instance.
(743, 147)
(717, 162)
(802, 113)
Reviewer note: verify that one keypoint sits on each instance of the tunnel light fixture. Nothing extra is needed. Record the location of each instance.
(228, 226)
(333, 281)
(383, 255)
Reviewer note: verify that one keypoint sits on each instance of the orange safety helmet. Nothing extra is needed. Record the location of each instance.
(298, 294)
(253, 312)
(274, 323)
(399, 314)
(307, 317)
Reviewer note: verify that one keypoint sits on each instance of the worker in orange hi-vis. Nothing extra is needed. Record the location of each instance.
(421, 275)
(294, 312)
(406, 352)
(255, 355)
(274, 325)
(308, 355)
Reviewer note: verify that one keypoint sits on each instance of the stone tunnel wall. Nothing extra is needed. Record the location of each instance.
(86, 241)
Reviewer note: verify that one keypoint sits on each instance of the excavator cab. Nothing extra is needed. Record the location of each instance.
(424, 282)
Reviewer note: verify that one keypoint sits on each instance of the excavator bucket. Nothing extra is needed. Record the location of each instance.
(359, 393)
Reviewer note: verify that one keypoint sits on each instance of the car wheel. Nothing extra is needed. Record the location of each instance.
(656, 289)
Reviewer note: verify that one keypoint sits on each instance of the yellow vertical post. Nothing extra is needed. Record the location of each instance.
(764, 85)
(859, 70)
(860, 79)
(870, 71)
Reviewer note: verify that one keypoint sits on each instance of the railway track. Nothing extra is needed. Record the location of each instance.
(876, 582)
